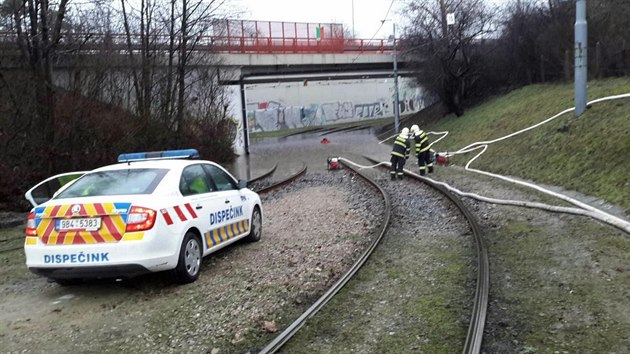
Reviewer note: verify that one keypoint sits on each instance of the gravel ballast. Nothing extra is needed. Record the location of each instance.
(415, 292)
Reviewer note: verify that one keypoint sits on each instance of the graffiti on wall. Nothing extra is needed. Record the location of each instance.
(275, 115)
(272, 115)
(368, 110)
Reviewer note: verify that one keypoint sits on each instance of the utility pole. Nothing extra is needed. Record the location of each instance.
(241, 84)
(581, 58)
(396, 100)
(353, 34)
(443, 18)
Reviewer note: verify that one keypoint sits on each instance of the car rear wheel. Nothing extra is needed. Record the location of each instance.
(255, 231)
(189, 264)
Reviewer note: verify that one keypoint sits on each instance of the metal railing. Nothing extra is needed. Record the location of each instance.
(221, 44)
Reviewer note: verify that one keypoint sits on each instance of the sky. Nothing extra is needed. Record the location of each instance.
(367, 14)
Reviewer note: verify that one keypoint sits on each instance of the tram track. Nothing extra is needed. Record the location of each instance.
(293, 328)
(282, 182)
(5, 243)
(10, 249)
(475, 332)
(474, 337)
(264, 175)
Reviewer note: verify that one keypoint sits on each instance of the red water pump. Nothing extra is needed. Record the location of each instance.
(442, 160)
(333, 163)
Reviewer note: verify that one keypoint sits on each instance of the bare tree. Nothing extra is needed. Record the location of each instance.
(38, 26)
(162, 88)
(447, 56)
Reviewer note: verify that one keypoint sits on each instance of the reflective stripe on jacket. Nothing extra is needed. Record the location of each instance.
(422, 143)
(401, 146)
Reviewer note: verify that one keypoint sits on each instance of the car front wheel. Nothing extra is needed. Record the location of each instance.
(189, 264)
(255, 231)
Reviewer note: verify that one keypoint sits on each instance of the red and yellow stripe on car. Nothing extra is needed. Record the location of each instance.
(113, 221)
(227, 232)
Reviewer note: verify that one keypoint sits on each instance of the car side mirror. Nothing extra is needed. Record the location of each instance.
(242, 184)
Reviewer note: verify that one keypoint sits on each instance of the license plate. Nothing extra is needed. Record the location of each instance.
(87, 224)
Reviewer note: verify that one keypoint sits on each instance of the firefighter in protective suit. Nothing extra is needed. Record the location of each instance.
(422, 150)
(400, 153)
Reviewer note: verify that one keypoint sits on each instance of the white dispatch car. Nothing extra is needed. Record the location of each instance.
(151, 212)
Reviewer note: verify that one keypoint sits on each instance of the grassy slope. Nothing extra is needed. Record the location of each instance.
(590, 154)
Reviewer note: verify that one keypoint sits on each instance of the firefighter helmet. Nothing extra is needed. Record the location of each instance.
(415, 130)
(405, 132)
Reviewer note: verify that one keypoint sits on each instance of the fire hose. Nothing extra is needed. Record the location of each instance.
(582, 208)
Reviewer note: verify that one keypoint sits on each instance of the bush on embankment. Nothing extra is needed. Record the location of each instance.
(91, 134)
(589, 154)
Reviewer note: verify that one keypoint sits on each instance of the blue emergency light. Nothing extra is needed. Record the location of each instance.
(157, 155)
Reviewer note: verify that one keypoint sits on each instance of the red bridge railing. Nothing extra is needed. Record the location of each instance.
(235, 36)
(263, 45)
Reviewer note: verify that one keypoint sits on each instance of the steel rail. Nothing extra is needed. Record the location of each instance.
(474, 336)
(283, 337)
(307, 131)
(339, 130)
(266, 174)
(283, 182)
(13, 238)
(11, 249)
(360, 127)
(9, 240)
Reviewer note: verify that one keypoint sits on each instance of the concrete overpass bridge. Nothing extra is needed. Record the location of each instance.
(245, 52)
(245, 49)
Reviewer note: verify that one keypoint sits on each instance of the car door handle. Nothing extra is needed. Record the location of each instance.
(227, 201)
(199, 207)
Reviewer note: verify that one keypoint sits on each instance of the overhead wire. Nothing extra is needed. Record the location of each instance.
(378, 30)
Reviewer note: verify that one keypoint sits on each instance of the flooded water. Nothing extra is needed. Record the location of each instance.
(291, 152)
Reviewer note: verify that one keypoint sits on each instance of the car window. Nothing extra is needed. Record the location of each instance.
(45, 191)
(117, 182)
(195, 181)
(222, 180)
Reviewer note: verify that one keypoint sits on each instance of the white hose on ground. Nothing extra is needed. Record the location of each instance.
(589, 210)
(444, 134)
(595, 214)
(584, 209)
(568, 110)
(361, 167)
(393, 136)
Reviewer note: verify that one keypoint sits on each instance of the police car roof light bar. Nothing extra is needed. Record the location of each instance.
(159, 155)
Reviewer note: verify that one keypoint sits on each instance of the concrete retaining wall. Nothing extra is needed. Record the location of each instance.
(305, 104)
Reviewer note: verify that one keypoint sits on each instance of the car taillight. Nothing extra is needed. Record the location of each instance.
(140, 219)
(31, 230)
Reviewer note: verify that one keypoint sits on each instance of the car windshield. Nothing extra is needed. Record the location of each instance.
(118, 182)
